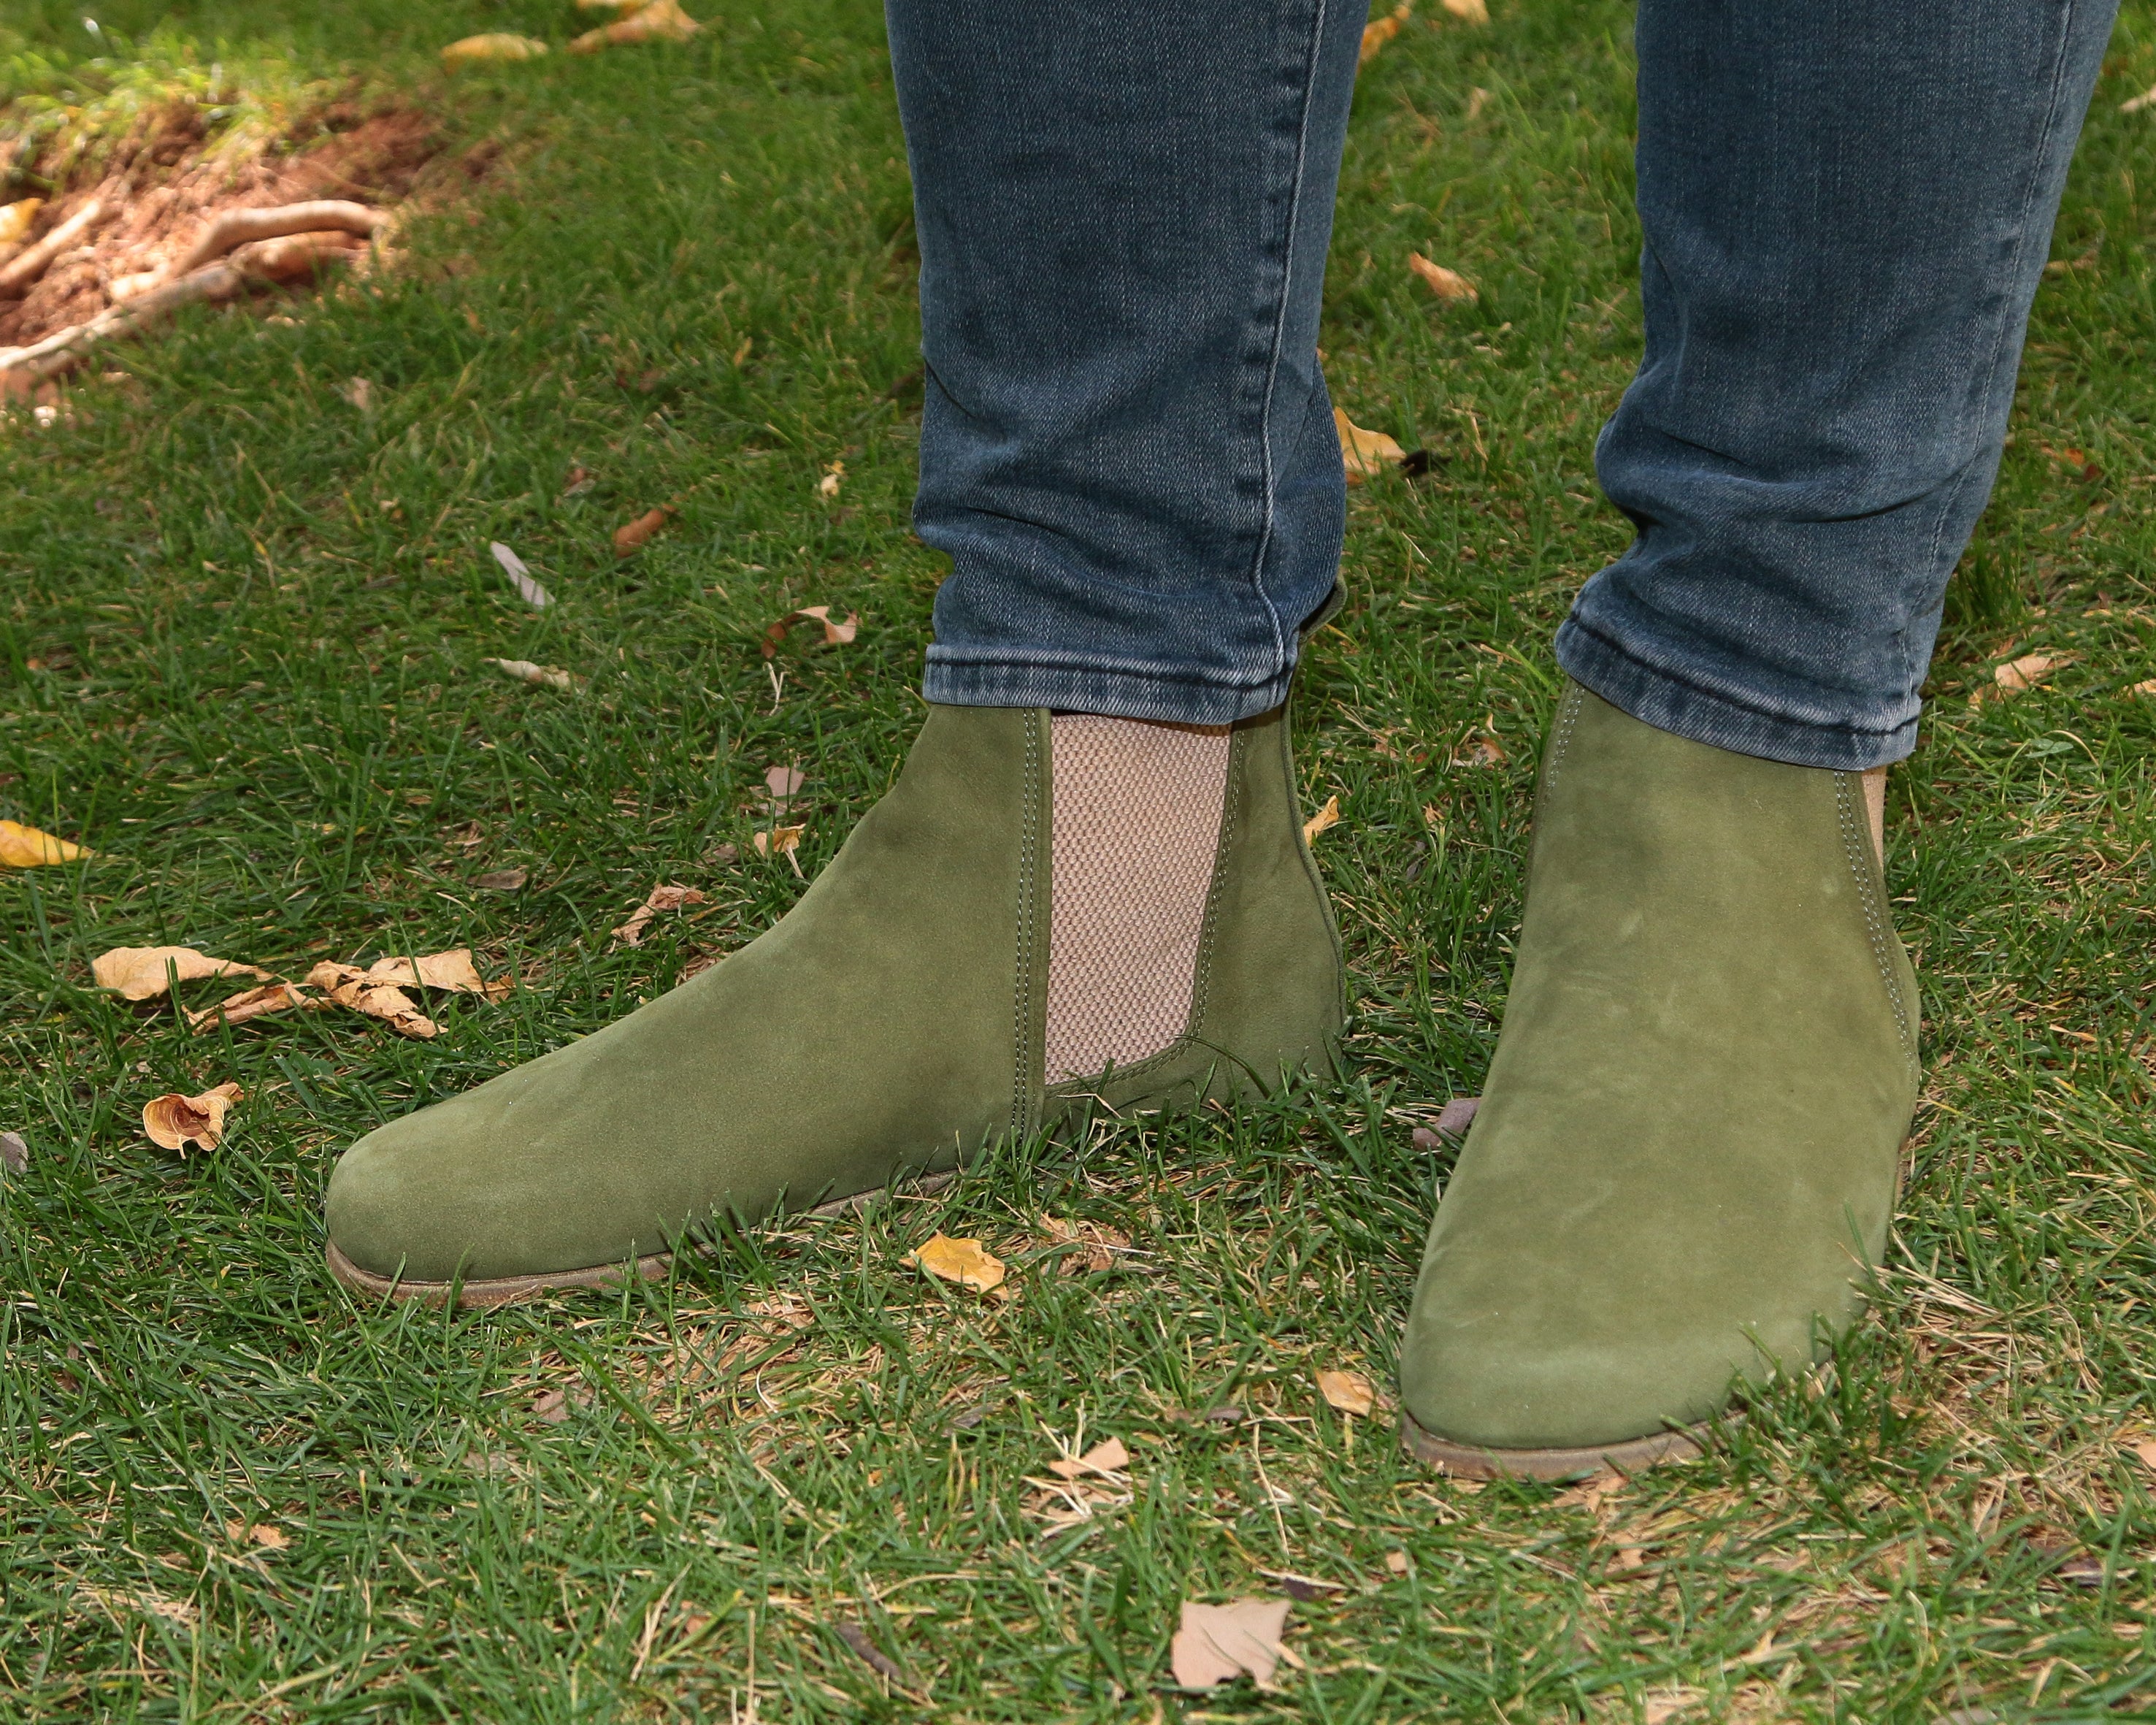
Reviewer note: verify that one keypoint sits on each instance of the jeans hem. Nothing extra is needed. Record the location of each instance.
(1655, 697)
(1114, 694)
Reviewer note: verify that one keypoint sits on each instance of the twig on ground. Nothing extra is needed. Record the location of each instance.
(17, 278)
(236, 227)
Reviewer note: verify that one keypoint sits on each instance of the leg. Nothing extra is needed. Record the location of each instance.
(1089, 884)
(1686, 1158)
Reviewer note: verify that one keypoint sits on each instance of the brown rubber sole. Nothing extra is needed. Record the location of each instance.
(481, 1296)
(1473, 1461)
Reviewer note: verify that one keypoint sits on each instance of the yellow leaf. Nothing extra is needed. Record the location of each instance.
(964, 1262)
(1364, 453)
(1350, 1391)
(140, 973)
(17, 219)
(1445, 284)
(657, 21)
(1468, 11)
(1325, 819)
(1375, 35)
(26, 847)
(174, 1121)
(495, 45)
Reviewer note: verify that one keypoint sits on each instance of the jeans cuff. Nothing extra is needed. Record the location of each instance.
(1113, 694)
(1669, 703)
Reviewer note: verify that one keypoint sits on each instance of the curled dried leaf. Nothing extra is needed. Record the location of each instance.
(628, 538)
(524, 671)
(492, 45)
(655, 21)
(659, 898)
(173, 1121)
(256, 1004)
(1376, 34)
(965, 1262)
(1104, 1458)
(834, 476)
(141, 973)
(1216, 1643)
(781, 842)
(26, 847)
(349, 985)
(1445, 284)
(452, 971)
(834, 634)
(1323, 820)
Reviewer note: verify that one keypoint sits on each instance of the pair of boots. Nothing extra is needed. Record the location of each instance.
(1684, 1164)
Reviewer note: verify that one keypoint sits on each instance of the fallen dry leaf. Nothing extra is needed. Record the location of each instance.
(174, 1121)
(16, 221)
(2144, 1451)
(628, 538)
(2022, 673)
(1323, 820)
(1216, 1643)
(1350, 1391)
(781, 784)
(834, 476)
(1105, 1457)
(493, 45)
(659, 898)
(141, 973)
(781, 842)
(452, 971)
(349, 985)
(1469, 11)
(256, 1004)
(359, 392)
(555, 1406)
(524, 671)
(2134, 105)
(961, 1261)
(834, 634)
(14, 1152)
(114, 1599)
(26, 847)
(261, 1533)
(873, 1656)
(1445, 284)
(1482, 751)
(1104, 1247)
(1477, 98)
(501, 880)
(1364, 453)
(1377, 33)
(1396, 1562)
(1453, 1120)
(657, 21)
(520, 577)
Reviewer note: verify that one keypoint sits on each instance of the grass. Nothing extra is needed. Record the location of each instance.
(241, 634)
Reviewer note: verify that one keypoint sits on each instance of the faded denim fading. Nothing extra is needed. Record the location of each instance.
(1126, 449)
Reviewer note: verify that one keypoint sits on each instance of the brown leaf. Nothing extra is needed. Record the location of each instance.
(1323, 820)
(493, 45)
(524, 671)
(658, 21)
(834, 634)
(834, 476)
(270, 1538)
(26, 847)
(2022, 673)
(628, 538)
(555, 1406)
(1453, 1120)
(452, 971)
(659, 898)
(1479, 751)
(1396, 1562)
(780, 842)
(140, 973)
(1350, 1391)
(857, 1638)
(349, 985)
(501, 880)
(2144, 1451)
(14, 1152)
(1105, 1457)
(2143, 688)
(1469, 11)
(1364, 453)
(1377, 34)
(1448, 285)
(174, 1121)
(781, 784)
(961, 1261)
(1216, 1643)
(277, 997)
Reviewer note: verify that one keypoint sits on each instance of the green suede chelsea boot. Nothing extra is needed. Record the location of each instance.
(1689, 1144)
(891, 1024)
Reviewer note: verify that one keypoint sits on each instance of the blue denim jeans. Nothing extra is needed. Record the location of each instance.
(1128, 450)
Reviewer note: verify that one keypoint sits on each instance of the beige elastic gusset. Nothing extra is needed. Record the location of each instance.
(1875, 805)
(1135, 828)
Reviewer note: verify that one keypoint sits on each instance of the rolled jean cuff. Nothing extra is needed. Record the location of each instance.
(1137, 692)
(1670, 702)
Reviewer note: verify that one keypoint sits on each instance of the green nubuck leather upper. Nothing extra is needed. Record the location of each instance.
(891, 1023)
(1686, 1154)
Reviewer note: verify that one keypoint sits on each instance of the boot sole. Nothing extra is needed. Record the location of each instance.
(507, 1290)
(1478, 1461)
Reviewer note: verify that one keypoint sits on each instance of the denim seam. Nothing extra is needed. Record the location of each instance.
(1309, 81)
(1134, 674)
(1910, 675)
(1661, 674)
